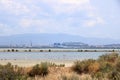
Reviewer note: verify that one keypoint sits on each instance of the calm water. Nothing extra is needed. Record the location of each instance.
(50, 55)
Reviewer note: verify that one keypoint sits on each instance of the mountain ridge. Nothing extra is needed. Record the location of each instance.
(44, 38)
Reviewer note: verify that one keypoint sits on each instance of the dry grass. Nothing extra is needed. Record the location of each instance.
(58, 73)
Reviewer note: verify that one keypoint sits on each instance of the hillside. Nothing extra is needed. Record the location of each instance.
(40, 39)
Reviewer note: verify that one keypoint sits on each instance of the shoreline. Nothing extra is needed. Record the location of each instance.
(31, 63)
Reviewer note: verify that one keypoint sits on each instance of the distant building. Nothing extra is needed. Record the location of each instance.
(57, 45)
(74, 45)
(112, 46)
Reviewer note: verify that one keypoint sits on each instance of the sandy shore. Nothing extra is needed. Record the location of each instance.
(30, 63)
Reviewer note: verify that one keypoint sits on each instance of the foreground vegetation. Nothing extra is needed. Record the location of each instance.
(106, 67)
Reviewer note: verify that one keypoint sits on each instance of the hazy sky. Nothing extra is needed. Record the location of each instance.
(89, 18)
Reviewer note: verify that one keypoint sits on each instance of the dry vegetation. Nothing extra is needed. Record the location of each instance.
(106, 67)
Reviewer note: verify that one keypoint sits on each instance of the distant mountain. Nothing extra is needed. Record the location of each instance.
(40, 39)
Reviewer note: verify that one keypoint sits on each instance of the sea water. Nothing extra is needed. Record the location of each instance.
(50, 55)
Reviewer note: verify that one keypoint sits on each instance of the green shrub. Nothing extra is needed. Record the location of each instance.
(51, 64)
(29, 50)
(55, 65)
(41, 70)
(114, 75)
(109, 57)
(106, 67)
(61, 65)
(82, 66)
(44, 68)
(98, 75)
(7, 72)
(117, 67)
(35, 71)
(13, 50)
(8, 50)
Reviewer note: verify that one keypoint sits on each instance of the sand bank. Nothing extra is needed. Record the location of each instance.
(30, 63)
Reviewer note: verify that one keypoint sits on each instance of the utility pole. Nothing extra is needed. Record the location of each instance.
(31, 44)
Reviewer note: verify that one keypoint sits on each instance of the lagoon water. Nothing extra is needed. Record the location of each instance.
(69, 56)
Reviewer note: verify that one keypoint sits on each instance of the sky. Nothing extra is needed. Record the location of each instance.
(88, 18)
